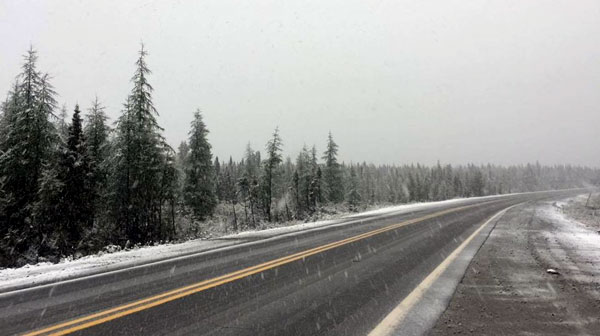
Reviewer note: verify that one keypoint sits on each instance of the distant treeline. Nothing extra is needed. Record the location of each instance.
(73, 188)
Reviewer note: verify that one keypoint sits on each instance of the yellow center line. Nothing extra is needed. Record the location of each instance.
(143, 304)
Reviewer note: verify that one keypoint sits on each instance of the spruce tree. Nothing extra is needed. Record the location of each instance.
(353, 196)
(75, 204)
(218, 180)
(249, 185)
(315, 195)
(230, 190)
(332, 173)
(182, 152)
(62, 126)
(169, 193)
(271, 163)
(96, 133)
(199, 187)
(27, 138)
(180, 161)
(137, 163)
(303, 182)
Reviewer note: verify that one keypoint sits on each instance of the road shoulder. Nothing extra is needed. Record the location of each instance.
(507, 289)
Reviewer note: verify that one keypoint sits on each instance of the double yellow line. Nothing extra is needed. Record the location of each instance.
(88, 321)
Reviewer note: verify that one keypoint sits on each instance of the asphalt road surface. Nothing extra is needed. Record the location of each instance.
(339, 280)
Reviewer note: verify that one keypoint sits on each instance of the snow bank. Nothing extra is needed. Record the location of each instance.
(398, 209)
(349, 218)
(45, 272)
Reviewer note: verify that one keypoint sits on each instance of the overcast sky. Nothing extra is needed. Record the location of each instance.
(395, 81)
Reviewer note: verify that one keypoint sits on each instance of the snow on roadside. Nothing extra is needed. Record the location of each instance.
(415, 206)
(342, 219)
(562, 203)
(46, 272)
(571, 232)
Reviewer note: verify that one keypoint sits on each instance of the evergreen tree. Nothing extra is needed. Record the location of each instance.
(169, 193)
(61, 124)
(27, 138)
(303, 183)
(332, 174)
(138, 163)
(353, 196)
(243, 186)
(96, 133)
(315, 195)
(271, 163)
(182, 152)
(180, 161)
(229, 189)
(75, 204)
(199, 187)
(218, 180)
(249, 182)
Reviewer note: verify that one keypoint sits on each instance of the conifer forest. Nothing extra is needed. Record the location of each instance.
(72, 187)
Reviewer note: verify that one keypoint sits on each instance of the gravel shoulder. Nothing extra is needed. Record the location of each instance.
(507, 290)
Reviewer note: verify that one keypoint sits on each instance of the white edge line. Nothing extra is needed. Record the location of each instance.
(389, 324)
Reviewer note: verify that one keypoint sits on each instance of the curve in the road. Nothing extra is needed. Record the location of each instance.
(143, 304)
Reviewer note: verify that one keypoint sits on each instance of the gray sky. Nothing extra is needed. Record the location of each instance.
(395, 81)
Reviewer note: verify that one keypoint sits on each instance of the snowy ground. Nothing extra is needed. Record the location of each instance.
(573, 232)
(584, 209)
(31, 275)
(342, 219)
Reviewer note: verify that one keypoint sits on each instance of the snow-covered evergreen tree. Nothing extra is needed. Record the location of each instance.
(353, 196)
(169, 193)
(199, 186)
(332, 173)
(75, 204)
(138, 163)
(62, 126)
(26, 140)
(303, 183)
(315, 195)
(219, 175)
(249, 185)
(229, 190)
(273, 160)
(96, 134)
